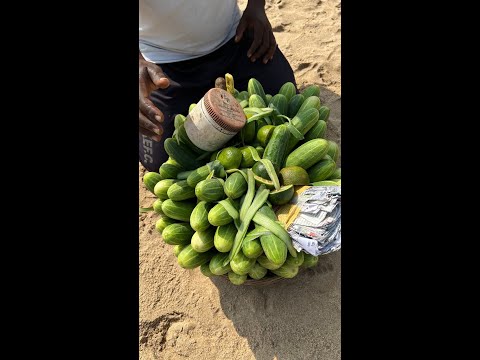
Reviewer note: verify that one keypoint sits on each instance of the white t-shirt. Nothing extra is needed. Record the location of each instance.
(176, 30)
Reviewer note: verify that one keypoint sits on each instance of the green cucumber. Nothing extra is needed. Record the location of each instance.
(219, 216)
(266, 263)
(248, 132)
(202, 241)
(189, 258)
(169, 171)
(295, 261)
(288, 90)
(303, 122)
(178, 234)
(235, 186)
(241, 265)
(150, 179)
(256, 101)
(322, 170)
(236, 279)
(178, 210)
(275, 151)
(161, 188)
(157, 206)
(177, 249)
(337, 174)
(308, 154)
(252, 249)
(257, 272)
(317, 131)
(324, 113)
(199, 216)
(243, 95)
(180, 191)
(163, 222)
(216, 264)
(286, 271)
(202, 172)
(179, 120)
(274, 248)
(280, 105)
(312, 102)
(210, 190)
(254, 87)
(294, 105)
(180, 153)
(205, 270)
(309, 261)
(312, 90)
(224, 237)
(333, 150)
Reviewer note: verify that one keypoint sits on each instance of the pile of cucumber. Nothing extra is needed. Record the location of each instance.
(216, 209)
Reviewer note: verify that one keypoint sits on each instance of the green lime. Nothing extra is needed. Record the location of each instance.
(282, 195)
(260, 123)
(261, 181)
(230, 158)
(294, 175)
(264, 134)
(260, 170)
(247, 157)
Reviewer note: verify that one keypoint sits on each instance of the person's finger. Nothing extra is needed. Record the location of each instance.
(242, 26)
(149, 110)
(257, 40)
(143, 85)
(157, 76)
(150, 134)
(262, 49)
(271, 50)
(144, 123)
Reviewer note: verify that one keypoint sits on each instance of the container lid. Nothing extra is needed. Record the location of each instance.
(224, 109)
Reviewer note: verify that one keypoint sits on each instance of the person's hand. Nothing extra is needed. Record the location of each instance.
(150, 78)
(255, 19)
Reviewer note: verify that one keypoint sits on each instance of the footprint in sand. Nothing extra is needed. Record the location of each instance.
(323, 269)
(302, 66)
(153, 333)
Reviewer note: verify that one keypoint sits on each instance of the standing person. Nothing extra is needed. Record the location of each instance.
(184, 46)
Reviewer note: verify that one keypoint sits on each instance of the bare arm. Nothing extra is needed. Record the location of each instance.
(255, 19)
(150, 78)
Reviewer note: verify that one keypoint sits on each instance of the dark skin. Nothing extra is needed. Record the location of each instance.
(151, 76)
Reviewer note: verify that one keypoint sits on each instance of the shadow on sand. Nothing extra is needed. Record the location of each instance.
(293, 319)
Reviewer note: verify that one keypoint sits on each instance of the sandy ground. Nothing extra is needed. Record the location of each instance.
(183, 314)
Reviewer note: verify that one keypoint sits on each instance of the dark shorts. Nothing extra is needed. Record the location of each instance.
(191, 79)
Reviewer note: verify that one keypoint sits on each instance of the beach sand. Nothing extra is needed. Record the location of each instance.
(184, 314)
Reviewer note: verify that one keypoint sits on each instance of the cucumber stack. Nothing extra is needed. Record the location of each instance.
(216, 208)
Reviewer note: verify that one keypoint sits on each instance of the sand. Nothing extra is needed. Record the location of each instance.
(183, 314)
